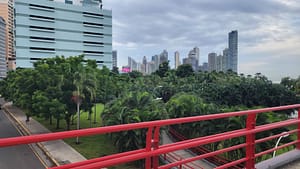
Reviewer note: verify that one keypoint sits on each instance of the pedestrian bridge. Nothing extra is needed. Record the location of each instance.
(153, 150)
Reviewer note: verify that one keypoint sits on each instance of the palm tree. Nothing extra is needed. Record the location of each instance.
(132, 108)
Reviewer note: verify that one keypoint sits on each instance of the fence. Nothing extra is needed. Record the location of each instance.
(153, 150)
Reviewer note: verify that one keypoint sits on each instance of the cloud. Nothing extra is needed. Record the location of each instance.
(267, 29)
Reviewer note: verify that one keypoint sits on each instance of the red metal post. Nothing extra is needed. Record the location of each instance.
(155, 146)
(298, 144)
(148, 147)
(250, 142)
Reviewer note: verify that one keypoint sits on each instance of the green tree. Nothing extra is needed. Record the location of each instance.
(133, 107)
(163, 69)
(184, 70)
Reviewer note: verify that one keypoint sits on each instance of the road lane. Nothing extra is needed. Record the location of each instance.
(22, 156)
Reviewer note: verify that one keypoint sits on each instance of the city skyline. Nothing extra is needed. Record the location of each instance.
(268, 32)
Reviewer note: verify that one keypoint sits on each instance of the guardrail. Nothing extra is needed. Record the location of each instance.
(153, 150)
(216, 160)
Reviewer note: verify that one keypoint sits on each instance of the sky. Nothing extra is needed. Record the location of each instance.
(269, 31)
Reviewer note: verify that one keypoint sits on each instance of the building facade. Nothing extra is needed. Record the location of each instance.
(163, 57)
(233, 50)
(7, 13)
(47, 28)
(194, 53)
(3, 69)
(177, 59)
(212, 59)
(132, 64)
(114, 58)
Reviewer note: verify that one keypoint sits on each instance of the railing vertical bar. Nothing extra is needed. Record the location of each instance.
(156, 146)
(148, 147)
(250, 141)
(298, 133)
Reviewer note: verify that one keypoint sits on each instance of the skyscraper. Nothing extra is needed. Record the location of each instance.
(145, 64)
(212, 59)
(7, 13)
(195, 53)
(233, 50)
(3, 69)
(163, 57)
(132, 64)
(115, 58)
(156, 60)
(176, 58)
(48, 28)
(193, 58)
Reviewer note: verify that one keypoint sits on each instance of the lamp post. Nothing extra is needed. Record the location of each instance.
(77, 99)
(283, 136)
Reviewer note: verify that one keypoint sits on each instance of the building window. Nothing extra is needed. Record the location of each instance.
(93, 53)
(41, 7)
(93, 15)
(42, 39)
(90, 24)
(42, 29)
(41, 49)
(42, 18)
(90, 43)
(93, 34)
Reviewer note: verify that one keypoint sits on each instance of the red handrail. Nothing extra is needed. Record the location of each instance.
(216, 160)
(153, 150)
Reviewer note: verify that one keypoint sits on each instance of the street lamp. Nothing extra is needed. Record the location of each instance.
(283, 136)
(77, 99)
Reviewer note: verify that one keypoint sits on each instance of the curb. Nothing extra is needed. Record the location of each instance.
(25, 131)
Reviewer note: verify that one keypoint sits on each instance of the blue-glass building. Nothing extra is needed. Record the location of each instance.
(45, 28)
(233, 50)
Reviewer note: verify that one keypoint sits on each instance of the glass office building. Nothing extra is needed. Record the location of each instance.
(45, 28)
(233, 50)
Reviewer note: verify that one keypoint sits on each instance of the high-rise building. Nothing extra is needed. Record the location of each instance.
(219, 65)
(115, 58)
(191, 61)
(156, 60)
(233, 50)
(48, 28)
(205, 67)
(132, 64)
(150, 67)
(176, 58)
(7, 13)
(195, 53)
(225, 60)
(193, 58)
(163, 57)
(145, 64)
(3, 69)
(212, 59)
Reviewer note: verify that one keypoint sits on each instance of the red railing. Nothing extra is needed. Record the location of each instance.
(174, 157)
(216, 160)
(153, 150)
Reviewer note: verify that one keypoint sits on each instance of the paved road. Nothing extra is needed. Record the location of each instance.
(21, 157)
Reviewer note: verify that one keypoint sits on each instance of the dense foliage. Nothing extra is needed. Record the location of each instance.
(54, 86)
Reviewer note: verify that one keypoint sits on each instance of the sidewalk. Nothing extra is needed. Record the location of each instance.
(56, 151)
(185, 154)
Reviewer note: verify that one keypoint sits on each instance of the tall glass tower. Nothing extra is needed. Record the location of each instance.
(233, 50)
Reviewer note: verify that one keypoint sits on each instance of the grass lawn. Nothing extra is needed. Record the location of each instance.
(91, 146)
